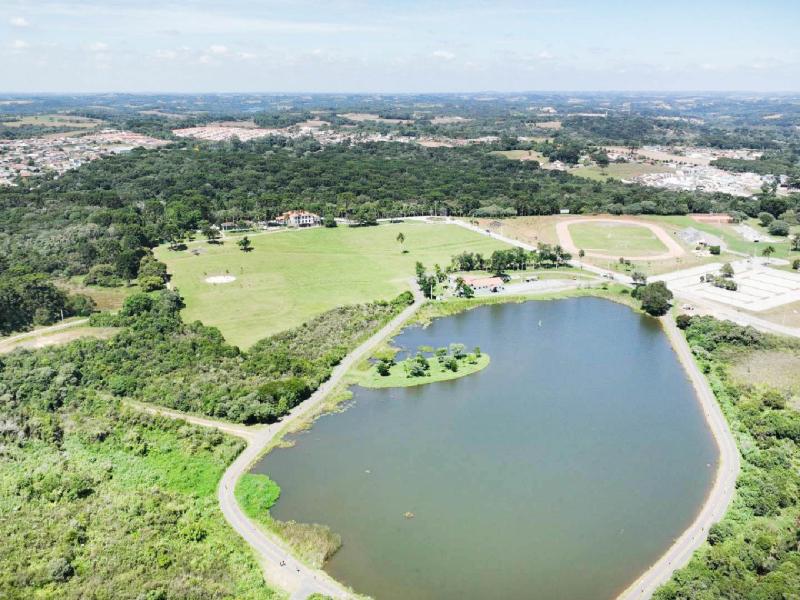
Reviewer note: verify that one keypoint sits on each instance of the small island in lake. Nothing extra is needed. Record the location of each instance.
(426, 366)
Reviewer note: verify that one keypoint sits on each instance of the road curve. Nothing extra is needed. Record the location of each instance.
(721, 492)
(281, 567)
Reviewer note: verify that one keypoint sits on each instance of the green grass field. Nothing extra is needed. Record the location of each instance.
(294, 275)
(617, 171)
(616, 239)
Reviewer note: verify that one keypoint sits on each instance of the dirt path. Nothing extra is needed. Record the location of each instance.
(674, 249)
(10, 343)
(722, 491)
(281, 568)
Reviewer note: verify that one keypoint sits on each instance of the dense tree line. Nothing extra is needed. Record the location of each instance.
(158, 358)
(108, 210)
(754, 552)
(32, 299)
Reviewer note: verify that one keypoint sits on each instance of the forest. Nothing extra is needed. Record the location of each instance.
(753, 552)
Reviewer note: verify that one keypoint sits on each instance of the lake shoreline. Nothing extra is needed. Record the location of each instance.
(662, 568)
(722, 490)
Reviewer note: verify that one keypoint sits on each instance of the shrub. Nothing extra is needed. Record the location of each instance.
(765, 218)
(103, 275)
(778, 227)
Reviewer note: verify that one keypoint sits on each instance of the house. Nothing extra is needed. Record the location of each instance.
(298, 218)
(485, 284)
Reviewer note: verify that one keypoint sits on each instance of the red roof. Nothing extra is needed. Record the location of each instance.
(484, 281)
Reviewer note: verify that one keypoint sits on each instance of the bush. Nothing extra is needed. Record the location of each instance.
(149, 283)
(683, 321)
(715, 250)
(778, 227)
(104, 275)
(765, 218)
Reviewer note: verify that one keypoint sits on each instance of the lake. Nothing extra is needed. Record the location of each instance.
(561, 471)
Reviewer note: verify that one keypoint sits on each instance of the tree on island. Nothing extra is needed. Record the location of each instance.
(245, 245)
(655, 298)
(768, 251)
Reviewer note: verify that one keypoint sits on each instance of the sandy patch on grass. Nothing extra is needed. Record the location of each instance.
(217, 279)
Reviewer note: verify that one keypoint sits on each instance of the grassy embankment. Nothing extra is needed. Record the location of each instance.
(313, 544)
(292, 276)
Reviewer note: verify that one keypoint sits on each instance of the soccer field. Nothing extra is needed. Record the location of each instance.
(616, 239)
(291, 276)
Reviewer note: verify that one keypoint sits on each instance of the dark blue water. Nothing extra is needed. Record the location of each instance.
(561, 471)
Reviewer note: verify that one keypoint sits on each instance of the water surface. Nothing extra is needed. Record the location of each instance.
(561, 471)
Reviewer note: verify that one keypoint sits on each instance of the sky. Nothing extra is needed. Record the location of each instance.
(398, 46)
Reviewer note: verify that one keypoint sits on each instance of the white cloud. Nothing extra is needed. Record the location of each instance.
(545, 55)
(443, 55)
(98, 47)
(218, 49)
(20, 45)
(246, 55)
(165, 54)
(19, 22)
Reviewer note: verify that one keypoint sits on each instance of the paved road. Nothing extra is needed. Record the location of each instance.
(280, 565)
(722, 491)
(730, 313)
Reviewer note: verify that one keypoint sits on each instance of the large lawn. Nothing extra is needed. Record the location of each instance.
(294, 275)
(616, 239)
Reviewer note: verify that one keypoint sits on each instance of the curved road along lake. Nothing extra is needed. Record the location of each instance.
(561, 471)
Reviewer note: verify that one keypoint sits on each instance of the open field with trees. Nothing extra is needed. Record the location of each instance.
(542, 229)
(289, 277)
(753, 551)
(616, 239)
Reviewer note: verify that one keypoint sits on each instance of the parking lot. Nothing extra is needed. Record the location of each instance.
(760, 287)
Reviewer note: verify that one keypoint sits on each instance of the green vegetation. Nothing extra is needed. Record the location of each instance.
(444, 365)
(108, 502)
(160, 359)
(753, 552)
(32, 299)
(257, 493)
(656, 298)
(292, 276)
(616, 238)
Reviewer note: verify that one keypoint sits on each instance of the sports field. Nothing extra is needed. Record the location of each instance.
(616, 239)
(291, 276)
